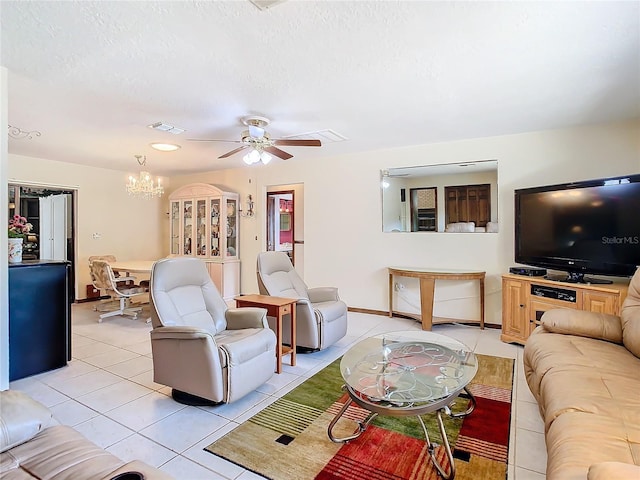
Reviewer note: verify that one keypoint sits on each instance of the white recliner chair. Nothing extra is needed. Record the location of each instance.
(321, 317)
(205, 351)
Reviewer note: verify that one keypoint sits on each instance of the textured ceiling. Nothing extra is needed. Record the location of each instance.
(91, 75)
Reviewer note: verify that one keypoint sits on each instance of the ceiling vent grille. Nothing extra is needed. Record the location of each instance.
(325, 136)
(163, 127)
(266, 4)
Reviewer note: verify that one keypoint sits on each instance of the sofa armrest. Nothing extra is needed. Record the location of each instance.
(149, 472)
(246, 317)
(21, 418)
(611, 470)
(584, 324)
(180, 333)
(323, 294)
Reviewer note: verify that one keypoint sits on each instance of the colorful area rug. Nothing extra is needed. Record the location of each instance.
(288, 439)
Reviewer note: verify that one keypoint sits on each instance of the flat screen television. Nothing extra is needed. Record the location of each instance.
(588, 227)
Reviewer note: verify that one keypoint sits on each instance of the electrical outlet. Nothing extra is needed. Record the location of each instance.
(96, 236)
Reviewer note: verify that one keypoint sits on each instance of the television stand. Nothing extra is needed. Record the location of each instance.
(525, 299)
(573, 277)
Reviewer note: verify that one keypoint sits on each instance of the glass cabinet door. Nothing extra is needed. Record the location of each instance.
(201, 228)
(175, 228)
(232, 229)
(215, 228)
(187, 233)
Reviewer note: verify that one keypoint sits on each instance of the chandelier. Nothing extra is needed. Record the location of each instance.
(143, 186)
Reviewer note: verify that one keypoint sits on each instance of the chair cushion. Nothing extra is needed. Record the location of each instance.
(184, 294)
(277, 275)
(577, 440)
(609, 470)
(571, 373)
(243, 345)
(132, 290)
(281, 284)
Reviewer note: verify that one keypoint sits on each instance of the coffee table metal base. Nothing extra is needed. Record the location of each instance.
(416, 411)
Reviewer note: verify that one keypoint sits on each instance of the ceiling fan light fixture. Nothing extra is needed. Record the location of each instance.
(165, 147)
(252, 157)
(265, 158)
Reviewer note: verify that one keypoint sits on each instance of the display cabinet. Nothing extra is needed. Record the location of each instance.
(204, 224)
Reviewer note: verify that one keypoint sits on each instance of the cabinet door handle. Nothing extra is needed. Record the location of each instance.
(521, 305)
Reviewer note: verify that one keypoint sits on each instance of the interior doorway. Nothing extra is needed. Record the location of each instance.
(51, 211)
(295, 221)
(281, 222)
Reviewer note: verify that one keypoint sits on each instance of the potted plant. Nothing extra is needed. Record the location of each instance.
(18, 229)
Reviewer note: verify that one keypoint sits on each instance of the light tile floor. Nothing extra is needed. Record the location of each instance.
(107, 393)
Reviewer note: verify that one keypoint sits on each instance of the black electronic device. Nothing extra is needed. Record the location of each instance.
(528, 271)
(588, 227)
(545, 291)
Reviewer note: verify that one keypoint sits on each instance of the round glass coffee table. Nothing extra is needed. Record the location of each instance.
(408, 374)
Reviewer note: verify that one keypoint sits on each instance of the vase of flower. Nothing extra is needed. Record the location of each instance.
(15, 250)
(18, 229)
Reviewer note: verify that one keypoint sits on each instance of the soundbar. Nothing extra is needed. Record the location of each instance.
(528, 271)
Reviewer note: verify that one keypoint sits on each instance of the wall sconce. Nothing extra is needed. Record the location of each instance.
(249, 212)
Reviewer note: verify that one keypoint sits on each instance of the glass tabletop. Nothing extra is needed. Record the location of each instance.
(408, 367)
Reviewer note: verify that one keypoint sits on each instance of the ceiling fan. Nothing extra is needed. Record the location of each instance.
(262, 146)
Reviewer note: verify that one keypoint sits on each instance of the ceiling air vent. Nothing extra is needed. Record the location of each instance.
(266, 4)
(325, 136)
(163, 127)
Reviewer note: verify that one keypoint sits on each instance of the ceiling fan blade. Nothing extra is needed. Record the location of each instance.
(256, 132)
(278, 153)
(234, 151)
(298, 143)
(212, 140)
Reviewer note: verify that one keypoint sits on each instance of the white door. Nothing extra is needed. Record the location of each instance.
(53, 227)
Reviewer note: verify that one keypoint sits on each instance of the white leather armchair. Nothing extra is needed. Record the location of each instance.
(321, 317)
(205, 351)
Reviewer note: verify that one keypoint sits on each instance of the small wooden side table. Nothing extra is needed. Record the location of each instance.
(276, 307)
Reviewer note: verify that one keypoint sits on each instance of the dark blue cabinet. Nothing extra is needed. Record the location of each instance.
(39, 317)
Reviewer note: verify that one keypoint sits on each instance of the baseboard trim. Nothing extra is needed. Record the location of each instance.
(92, 299)
(368, 310)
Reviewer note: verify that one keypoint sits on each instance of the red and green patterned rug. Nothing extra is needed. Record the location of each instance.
(288, 439)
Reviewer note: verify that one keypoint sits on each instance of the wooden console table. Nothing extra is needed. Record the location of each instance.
(428, 279)
(276, 307)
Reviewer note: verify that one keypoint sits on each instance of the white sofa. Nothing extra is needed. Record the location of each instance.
(34, 446)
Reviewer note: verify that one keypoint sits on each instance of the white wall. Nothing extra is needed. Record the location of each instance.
(344, 242)
(129, 227)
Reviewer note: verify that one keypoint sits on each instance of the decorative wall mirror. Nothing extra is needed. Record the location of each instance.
(454, 197)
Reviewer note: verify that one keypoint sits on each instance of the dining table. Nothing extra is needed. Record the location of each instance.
(129, 267)
(132, 266)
